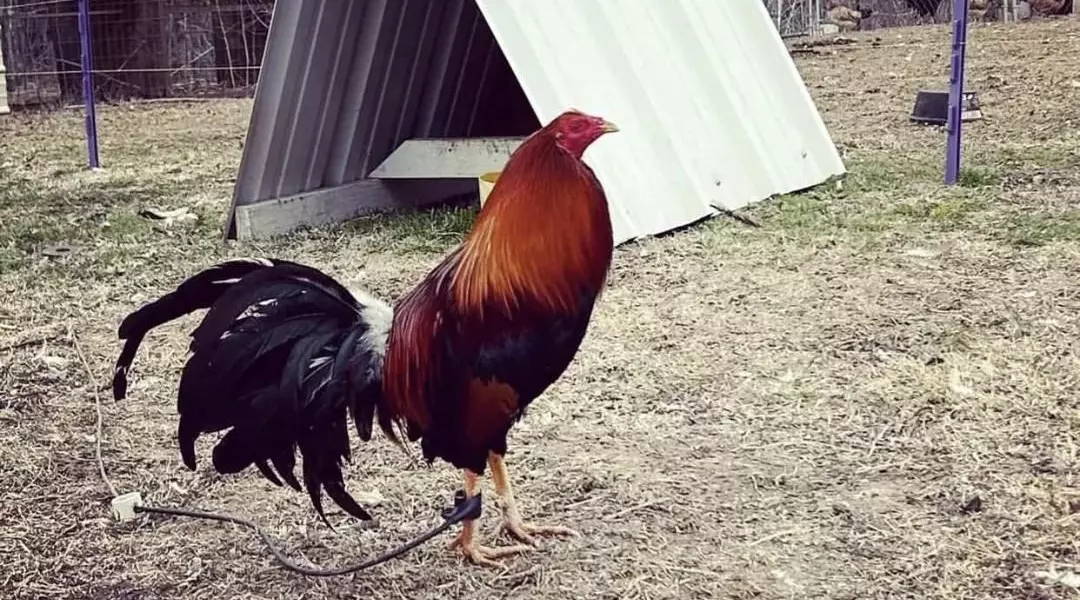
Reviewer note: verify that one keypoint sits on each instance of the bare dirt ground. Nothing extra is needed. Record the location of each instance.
(874, 395)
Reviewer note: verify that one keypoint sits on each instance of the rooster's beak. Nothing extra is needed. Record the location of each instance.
(608, 127)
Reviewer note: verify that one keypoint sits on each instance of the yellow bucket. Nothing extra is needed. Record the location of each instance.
(486, 183)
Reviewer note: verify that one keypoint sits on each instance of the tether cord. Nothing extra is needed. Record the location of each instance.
(464, 508)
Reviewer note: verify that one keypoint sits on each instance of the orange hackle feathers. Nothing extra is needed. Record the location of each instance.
(544, 232)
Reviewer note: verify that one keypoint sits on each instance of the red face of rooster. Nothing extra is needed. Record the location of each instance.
(575, 130)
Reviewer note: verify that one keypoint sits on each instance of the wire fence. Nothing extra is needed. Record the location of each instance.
(140, 48)
(207, 48)
(796, 18)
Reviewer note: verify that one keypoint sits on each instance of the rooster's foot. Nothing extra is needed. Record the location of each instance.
(467, 546)
(527, 532)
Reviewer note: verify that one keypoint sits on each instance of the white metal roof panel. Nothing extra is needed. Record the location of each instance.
(711, 108)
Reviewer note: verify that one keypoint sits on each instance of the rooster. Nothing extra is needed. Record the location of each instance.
(924, 8)
(1049, 7)
(286, 355)
(844, 17)
(978, 9)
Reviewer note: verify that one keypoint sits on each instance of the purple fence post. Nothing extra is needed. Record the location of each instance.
(956, 91)
(88, 84)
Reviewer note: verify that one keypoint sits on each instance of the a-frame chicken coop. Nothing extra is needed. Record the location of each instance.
(380, 104)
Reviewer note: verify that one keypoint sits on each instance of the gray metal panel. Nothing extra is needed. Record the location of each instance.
(371, 27)
(344, 83)
(265, 112)
(418, 75)
(445, 68)
(316, 82)
(334, 93)
(288, 96)
(380, 41)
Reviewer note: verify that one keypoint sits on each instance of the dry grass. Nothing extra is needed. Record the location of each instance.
(872, 396)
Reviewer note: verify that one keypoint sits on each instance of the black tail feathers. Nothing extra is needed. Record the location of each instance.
(282, 359)
(198, 292)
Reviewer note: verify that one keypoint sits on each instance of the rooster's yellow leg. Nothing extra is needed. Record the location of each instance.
(512, 521)
(467, 543)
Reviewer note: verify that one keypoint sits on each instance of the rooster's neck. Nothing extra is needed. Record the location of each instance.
(543, 238)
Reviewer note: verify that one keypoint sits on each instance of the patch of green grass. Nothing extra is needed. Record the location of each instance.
(869, 174)
(1038, 229)
(947, 208)
(980, 176)
(49, 216)
(798, 211)
(432, 230)
(881, 194)
(1052, 154)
